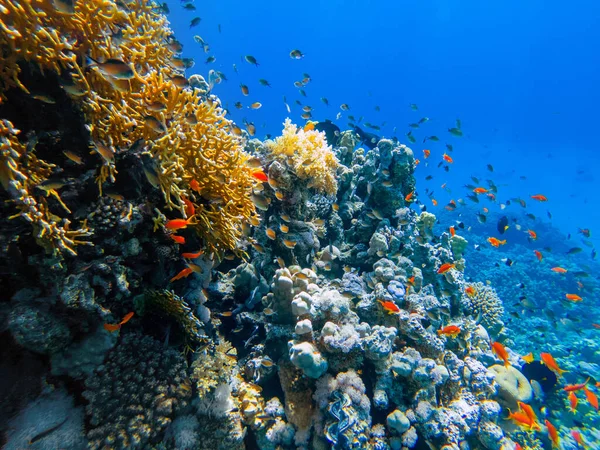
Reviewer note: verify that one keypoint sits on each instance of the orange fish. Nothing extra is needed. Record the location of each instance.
(591, 398)
(573, 297)
(260, 176)
(551, 363)
(480, 190)
(578, 438)
(596, 325)
(499, 350)
(434, 201)
(528, 410)
(558, 270)
(417, 161)
(492, 197)
(426, 153)
(193, 255)
(470, 291)
(521, 419)
(390, 307)
(126, 318)
(184, 273)
(270, 232)
(450, 330)
(445, 268)
(409, 197)
(190, 209)
(539, 198)
(496, 242)
(538, 255)
(411, 281)
(485, 210)
(452, 231)
(114, 327)
(177, 239)
(553, 434)
(178, 224)
(195, 185)
(447, 158)
(532, 234)
(575, 387)
(573, 402)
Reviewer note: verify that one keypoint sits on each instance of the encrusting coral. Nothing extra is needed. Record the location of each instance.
(147, 103)
(307, 154)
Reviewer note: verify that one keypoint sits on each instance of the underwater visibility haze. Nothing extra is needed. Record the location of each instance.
(284, 225)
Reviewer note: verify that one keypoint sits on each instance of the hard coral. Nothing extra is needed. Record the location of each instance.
(486, 303)
(307, 154)
(135, 394)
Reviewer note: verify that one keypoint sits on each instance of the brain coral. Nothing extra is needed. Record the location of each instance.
(135, 394)
(307, 154)
(485, 302)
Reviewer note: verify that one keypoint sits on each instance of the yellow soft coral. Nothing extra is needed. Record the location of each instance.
(308, 155)
(188, 137)
(20, 172)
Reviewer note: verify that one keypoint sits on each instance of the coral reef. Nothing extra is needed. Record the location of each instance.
(238, 293)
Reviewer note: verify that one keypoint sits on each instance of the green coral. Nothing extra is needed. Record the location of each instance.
(165, 303)
(458, 245)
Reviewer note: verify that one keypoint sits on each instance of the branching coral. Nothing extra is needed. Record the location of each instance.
(307, 154)
(20, 172)
(187, 135)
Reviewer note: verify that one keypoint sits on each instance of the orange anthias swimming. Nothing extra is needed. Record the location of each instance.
(389, 307)
(114, 327)
(445, 268)
(576, 387)
(447, 158)
(532, 234)
(499, 350)
(539, 198)
(480, 190)
(551, 363)
(573, 297)
(553, 434)
(573, 401)
(528, 410)
(260, 175)
(591, 398)
(496, 242)
(538, 255)
(178, 224)
(470, 291)
(450, 330)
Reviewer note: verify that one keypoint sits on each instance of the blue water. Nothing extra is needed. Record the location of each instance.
(521, 76)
